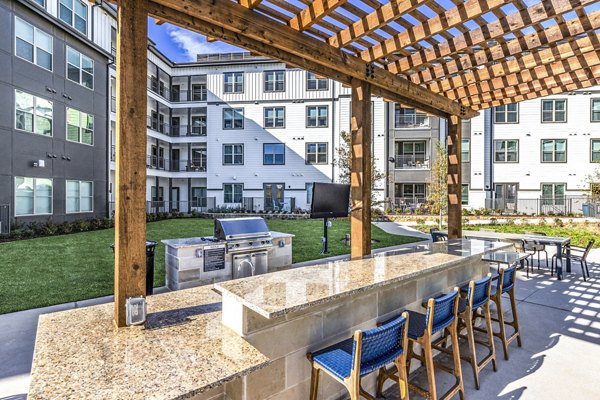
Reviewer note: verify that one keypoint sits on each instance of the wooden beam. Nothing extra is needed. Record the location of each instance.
(361, 170)
(130, 182)
(211, 39)
(315, 12)
(158, 21)
(454, 178)
(247, 24)
(250, 3)
(433, 26)
(383, 15)
(535, 14)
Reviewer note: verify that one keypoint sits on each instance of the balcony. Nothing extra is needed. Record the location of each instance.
(164, 164)
(175, 130)
(412, 162)
(158, 87)
(408, 121)
(179, 96)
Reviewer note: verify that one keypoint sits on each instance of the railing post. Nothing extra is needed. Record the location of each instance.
(130, 213)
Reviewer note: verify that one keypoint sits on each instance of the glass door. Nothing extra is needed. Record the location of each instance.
(175, 199)
(198, 197)
(274, 196)
(506, 196)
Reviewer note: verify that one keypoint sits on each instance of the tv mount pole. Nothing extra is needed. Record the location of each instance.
(325, 235)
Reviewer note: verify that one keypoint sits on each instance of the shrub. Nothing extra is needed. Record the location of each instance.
(559, 222)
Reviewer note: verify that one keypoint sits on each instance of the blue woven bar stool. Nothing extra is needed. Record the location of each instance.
(351, 359)
(441, 315)
(506, 285)
(477, 298)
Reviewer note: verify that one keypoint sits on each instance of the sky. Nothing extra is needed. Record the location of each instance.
(181, 45)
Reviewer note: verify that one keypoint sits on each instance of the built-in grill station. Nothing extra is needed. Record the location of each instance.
(240, 247)
(248, 243)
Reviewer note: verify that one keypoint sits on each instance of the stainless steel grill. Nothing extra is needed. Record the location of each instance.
(248, 241)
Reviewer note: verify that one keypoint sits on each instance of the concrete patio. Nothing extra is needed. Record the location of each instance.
(561, 343)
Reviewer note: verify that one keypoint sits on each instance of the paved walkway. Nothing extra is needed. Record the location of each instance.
(395, 228)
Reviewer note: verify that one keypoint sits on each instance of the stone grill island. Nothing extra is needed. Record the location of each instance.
(251, 341)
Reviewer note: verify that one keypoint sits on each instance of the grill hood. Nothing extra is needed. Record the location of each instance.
(240, 228)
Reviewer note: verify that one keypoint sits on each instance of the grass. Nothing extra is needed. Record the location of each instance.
(59, 269)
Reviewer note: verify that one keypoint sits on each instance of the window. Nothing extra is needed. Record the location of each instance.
(74, 13)
(113, 41)
(80, 68)
(409, 118)
(554, 111)
(506, 151)
(33, 196)
(410, 193)
(595, 115)
(232, 192)
(198, 125)
(465, 150)
(80, 127)
(275, 81)
(80, 196)
(273, 154)
(199, 92)
(33, 114)
(33, 44)
(42, 3)
(274, 117)
(233, 154)
(233, 118)
(316, 153)
(233, 82)
(554, 150)
(199, 197)
(507, 114)
(553, 194)
(317, 116)
(464, 194)
(595, 148)
(316, 82)
(411, 154)
(309, 193)
(158, 196)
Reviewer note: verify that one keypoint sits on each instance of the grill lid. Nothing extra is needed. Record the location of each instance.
(236, 228)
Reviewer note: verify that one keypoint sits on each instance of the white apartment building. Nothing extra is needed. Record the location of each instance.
(536, 156)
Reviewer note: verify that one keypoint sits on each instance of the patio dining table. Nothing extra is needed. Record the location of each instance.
(561, 244)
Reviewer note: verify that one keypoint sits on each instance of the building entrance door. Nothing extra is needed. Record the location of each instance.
(274, 195)
(175, 199)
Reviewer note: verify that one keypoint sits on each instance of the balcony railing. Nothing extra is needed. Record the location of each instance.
(202, 204)
(155, 86)
(175, 130)
(411, 121)
(113, 104)
(164, 164)
(412, 162)
(158, 126)
(178, 96)
(258, 204)
(113, 153)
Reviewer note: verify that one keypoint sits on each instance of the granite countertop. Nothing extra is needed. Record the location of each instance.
(275, 234)
(276, 294)
(177, 354)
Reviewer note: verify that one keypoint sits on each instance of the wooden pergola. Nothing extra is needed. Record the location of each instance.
(449, 58)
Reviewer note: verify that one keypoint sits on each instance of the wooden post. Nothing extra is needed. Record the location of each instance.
(130, 213)
(454, 178)
(361, 169)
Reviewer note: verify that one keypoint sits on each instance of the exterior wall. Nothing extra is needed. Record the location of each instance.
(21, 149)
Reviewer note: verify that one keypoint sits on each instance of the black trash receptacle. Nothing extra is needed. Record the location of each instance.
(150, 249)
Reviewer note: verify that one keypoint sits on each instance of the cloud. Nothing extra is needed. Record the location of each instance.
(193, 44)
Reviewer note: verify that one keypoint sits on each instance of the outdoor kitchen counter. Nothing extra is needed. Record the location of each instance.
(182, 351)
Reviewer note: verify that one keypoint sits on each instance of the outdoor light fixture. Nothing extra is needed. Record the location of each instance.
(135, 309)
(39, 164)
(392, 159)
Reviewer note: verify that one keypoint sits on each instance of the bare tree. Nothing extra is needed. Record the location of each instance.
(343, 161)
(438, 183)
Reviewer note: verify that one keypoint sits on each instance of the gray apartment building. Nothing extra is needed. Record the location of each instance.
(53, 112)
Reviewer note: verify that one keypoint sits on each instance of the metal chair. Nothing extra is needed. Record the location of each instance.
(580, 256)
(537, 248)
(441, 315)
(506, 285)
(477, 297)
(369, 351)
(438, 236)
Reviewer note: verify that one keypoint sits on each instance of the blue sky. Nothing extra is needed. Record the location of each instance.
(181, 45)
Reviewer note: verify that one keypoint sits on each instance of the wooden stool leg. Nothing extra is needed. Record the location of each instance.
(498, 301)
(471, 340)
(456, 355)
(513, 304)
(490, 332)
(403, 377)
(428, 358)
(354, 389)
(314, 383)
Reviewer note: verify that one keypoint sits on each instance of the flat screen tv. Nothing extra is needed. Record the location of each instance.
(330, 200)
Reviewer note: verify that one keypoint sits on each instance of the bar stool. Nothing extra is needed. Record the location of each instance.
(506, 285)
(441, 314)
(351, 359)
(477, 298)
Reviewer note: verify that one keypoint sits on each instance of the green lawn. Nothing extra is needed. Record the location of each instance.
(59, 269)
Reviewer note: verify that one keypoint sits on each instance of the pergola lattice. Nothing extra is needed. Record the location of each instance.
(448, 58)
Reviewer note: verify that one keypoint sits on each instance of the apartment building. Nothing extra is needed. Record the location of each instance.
(242, 131)
(536, 156)
(53, 110)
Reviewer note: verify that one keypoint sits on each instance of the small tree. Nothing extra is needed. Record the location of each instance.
(438, 183)
(593, 183)
(343, 161)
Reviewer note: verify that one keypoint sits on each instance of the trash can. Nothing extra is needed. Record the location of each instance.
(150, 249)
(585, 208)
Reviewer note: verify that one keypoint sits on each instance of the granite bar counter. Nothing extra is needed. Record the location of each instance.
(289, 313)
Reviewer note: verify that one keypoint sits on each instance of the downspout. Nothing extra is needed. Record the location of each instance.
(108, 136)
(333, 119)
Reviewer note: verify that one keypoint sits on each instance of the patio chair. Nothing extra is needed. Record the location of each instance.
(438, 236)
(537, 248)
(441, 315)
(580, 256)
(369, 351)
